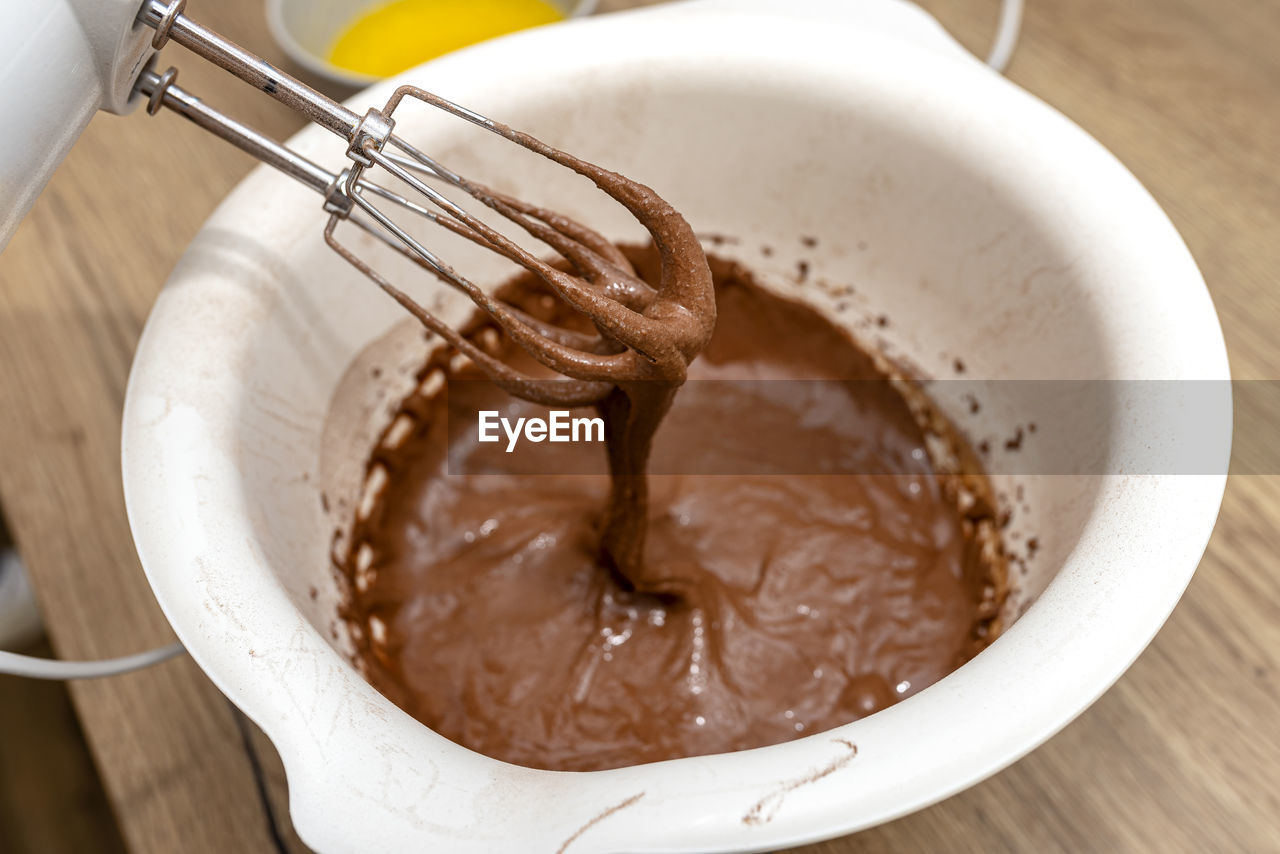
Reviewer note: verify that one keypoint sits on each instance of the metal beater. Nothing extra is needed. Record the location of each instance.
(603, 286)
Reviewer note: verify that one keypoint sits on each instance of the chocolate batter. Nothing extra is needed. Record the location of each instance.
(771, 605)
(628, 361)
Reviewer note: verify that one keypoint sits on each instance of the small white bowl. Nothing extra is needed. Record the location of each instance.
(984, 223)
(308, 29)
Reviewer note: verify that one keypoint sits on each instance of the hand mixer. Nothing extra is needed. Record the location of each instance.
(603, 286)
(646, 335)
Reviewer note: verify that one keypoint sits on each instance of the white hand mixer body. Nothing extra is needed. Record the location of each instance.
(63, 61)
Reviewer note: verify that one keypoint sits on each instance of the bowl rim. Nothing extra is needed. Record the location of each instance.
(172, 558)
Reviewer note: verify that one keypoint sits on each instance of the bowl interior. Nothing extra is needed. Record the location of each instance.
(917, 245)
(967, 214)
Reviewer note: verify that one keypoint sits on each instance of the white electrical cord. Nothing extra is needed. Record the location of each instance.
(19, 616)
(48, 668)
(43, 668)
(1006, 35)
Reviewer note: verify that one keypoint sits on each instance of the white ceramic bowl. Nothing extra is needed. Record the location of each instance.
(981, 221)
(308, 29)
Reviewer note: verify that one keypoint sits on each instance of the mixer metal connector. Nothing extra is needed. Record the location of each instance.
(371, 134)
(161, 85)
(337, 201)
(166, 15)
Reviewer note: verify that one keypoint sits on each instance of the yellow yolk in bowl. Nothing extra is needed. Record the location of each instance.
(391, 37)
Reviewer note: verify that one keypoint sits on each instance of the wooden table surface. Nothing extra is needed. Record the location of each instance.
(1182, 755)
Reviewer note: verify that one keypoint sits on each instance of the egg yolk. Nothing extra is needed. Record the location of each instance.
(394, 36)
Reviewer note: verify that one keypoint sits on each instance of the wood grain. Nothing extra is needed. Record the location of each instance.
(1182, 755)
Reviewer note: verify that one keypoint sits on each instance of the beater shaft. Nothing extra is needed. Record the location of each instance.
(169, 22)
(160, 91)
